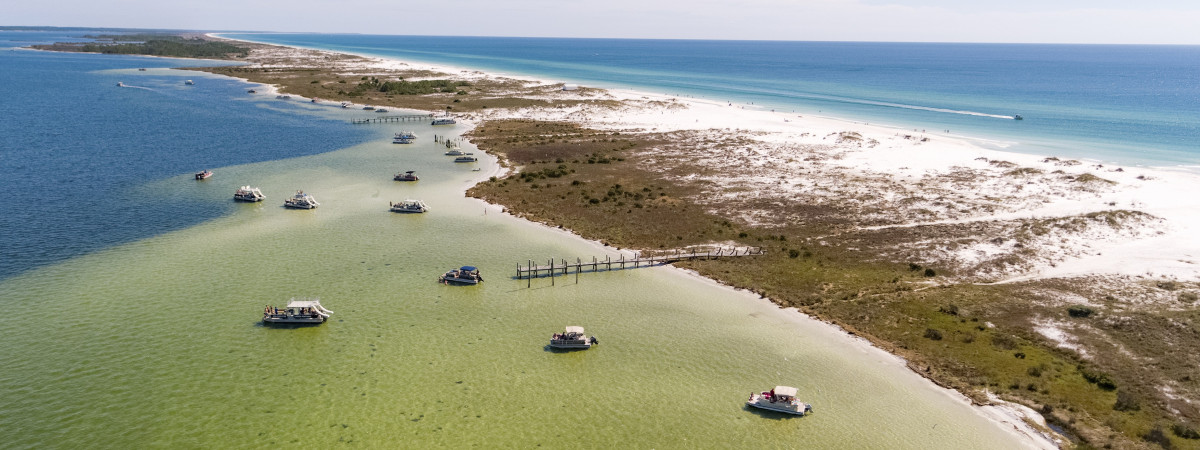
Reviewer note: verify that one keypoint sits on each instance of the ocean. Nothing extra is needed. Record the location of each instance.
(131, 295)
(1129, 104)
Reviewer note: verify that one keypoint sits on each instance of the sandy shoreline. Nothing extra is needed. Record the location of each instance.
(970, 185)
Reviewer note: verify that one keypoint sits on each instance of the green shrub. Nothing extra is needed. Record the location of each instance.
(1185, 431)
(1080, 311)
(1127, 402)
(1101, 380)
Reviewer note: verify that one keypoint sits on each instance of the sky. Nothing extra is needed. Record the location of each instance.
(1032, 21)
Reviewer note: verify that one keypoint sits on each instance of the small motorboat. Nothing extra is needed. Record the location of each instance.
(120, 84)
(462, 275)
(444, 121)
(1018, 117)
(465, 159)
(781, 399)
(189, 82)
(204, 175)
(406, 176)
(251, 91)
(381, 110)
(369, 108)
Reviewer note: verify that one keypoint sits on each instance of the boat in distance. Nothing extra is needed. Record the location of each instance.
(204, 175)
(462, 275)
(248, 194)
(189, 82)
(444, 121)
(409, 206)
(297, 312)
(465, 159)
(301, 201)
(406, 176)
(781, 399)
(572, 338)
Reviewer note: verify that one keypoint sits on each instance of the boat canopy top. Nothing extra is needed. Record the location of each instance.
(303, 303)
(785, 390)
(468, 268)
(575, 330)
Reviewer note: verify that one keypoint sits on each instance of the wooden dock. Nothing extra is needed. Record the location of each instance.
(387, 119)
(554, 268)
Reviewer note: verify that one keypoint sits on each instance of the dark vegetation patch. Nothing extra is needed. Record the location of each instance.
(154, 45)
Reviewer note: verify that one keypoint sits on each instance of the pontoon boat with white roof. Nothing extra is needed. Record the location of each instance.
(248, 194)
(302, 201)
(409, 206)
(297, 311)
(573, 337)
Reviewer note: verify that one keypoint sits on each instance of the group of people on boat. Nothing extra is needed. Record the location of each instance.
(306, 311)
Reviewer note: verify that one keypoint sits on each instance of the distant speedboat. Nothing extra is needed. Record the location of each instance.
(120, 84)
(381, 110)
(444, 121)
(189, 82)
(251, 91)
(141, 69)
(369, 108)
(406, 176)
(204, 175)
(1018, 117)
(465, 159)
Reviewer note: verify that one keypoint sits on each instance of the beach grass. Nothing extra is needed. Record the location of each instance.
(974, 338)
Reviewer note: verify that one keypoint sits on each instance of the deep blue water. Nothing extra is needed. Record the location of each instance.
(1129, 104)
(75, 148)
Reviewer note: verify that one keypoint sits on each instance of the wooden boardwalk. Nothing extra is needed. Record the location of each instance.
(554, 268)
(386, 119)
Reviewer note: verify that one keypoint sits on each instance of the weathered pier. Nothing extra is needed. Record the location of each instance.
(554, 268)
(393, 118)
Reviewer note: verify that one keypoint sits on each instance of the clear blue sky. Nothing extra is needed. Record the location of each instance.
(1065, 21)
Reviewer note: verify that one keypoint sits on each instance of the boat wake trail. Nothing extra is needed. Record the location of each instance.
(927, 108)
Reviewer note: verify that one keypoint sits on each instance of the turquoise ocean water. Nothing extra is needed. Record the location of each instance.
(131, 295)
(1132, 104)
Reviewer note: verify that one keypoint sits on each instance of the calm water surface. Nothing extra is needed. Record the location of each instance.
(153, 338)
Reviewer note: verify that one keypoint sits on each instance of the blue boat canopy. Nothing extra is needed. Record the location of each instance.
(468, 268)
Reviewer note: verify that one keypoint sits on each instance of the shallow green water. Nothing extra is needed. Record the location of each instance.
(157, 343)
